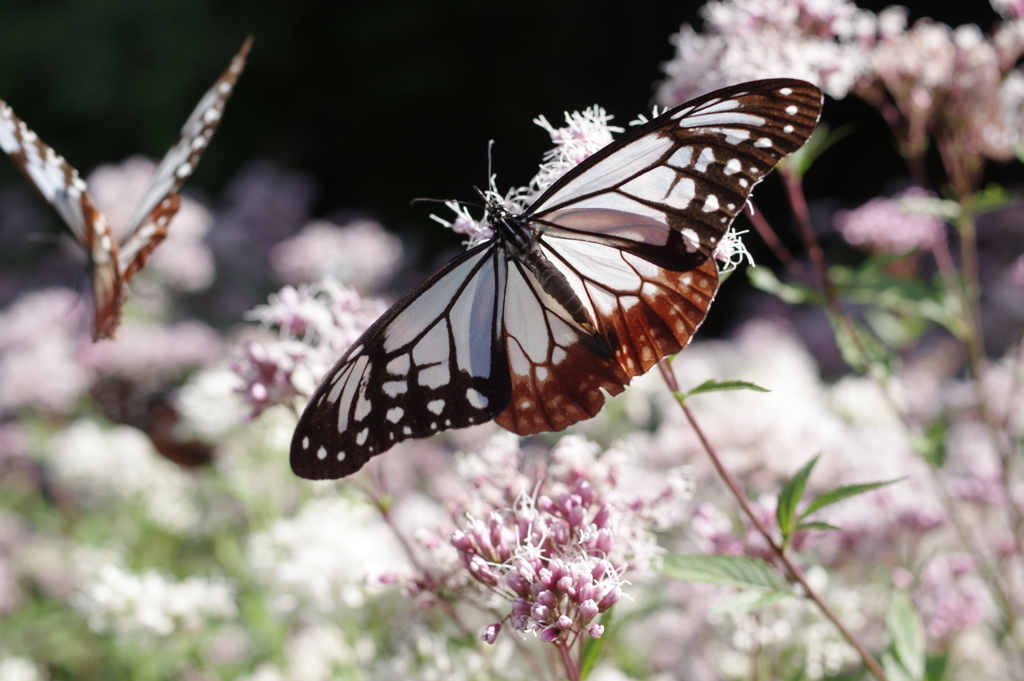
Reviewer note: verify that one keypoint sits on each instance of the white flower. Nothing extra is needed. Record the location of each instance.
(325, 557)
(146, 606)
(209, 405)
(120, 463)
(17, 668)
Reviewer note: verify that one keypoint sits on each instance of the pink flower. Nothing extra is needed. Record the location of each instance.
(819, 41)
(316, 325)
(554, 541)
(1017, 271)
(360, 254)
(883, 226)
(951, 595)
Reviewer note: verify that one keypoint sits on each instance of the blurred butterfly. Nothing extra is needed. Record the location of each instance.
(113, 264)
(609, 271)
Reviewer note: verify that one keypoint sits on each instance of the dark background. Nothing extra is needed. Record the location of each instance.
(381, 102)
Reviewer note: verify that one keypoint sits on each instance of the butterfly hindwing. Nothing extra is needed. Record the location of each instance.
(557, 368)
(435, 361)
(645, 312)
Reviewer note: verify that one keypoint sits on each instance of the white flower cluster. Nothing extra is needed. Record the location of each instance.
(17, 668)
(146, 606)
(120, 463)
(326, 557)
(584, 134)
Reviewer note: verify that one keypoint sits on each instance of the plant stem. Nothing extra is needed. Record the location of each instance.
(770, 238)
(869, 661)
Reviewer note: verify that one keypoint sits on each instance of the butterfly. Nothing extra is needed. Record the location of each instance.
(609, 271)
(114, 264)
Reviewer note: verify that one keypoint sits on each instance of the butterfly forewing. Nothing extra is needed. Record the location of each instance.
(673, 187)
(148, 225)
(60, 185)
(434, 361)
(624, 241)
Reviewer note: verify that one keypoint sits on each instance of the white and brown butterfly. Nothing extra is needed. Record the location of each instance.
(113, 264)
(609, 271)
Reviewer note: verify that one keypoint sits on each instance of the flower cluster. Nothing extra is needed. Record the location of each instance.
(555, 541)
(316, 324)
(883, 225)
(360, 255)
(819, 41)
(147, 606)
(584, 134)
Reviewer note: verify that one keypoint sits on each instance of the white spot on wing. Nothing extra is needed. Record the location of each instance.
(476, 398)
(710, 204)
(321, 453)
(690, 240)
(399, 366)
(791, 109)
(733, 166)
(436, 406)
(394, 388)
(763, 143)
(706, 158)
(361, 437)
(395, 414)
(682, 157)
(305, 442)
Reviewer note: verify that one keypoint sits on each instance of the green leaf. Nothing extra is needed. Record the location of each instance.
(992, 197)
(894, 671)
(790, 496)
(795, 294)
(816, 526)
(935, 666)
(906, 635)
(750, 599)
(592, 647)
(932, 444)
(839, 493)
(737, 571)
(947, 209)
(860, 349)
(711, 386)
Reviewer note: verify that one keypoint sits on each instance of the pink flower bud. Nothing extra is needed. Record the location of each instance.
(490, 634)
(549, 634)
(563, 622)
(585, 491)
(610, 599)
(548, 598)
(540, 613)
(596, 631)
(588, 610)
(461, 542)
(601, 519)
(564, 584)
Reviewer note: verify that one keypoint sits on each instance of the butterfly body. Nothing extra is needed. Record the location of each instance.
(607, 272)
(113, 263)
